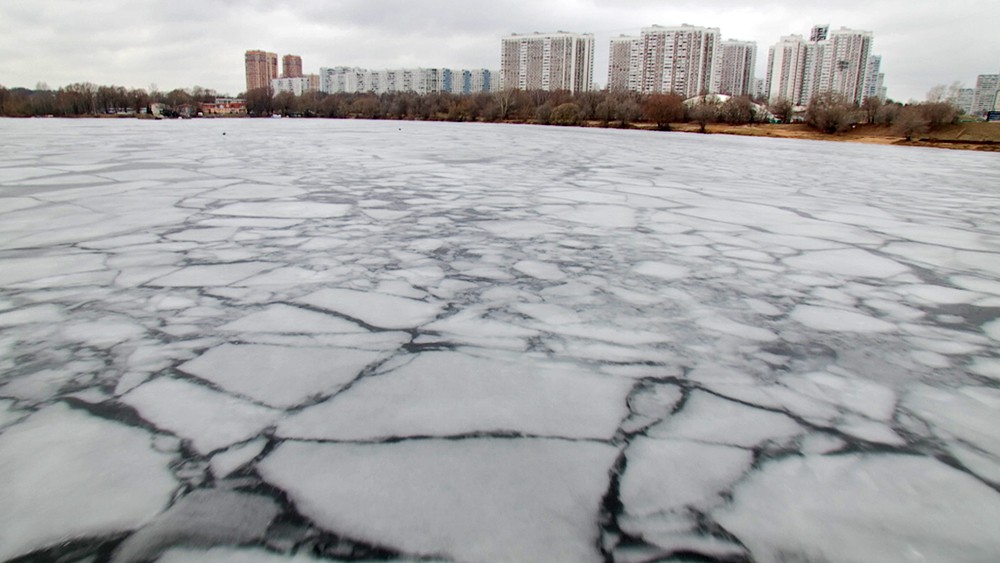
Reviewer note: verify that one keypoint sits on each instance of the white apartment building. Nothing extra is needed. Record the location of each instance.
(419, 80)
(547, 61)
(874, 78)
(985, 98)
(786, 69)
(296, 85)
(833, 61)
(735, 68)
(848, 62)
(625, 63)
(966, 98)
(679, 59)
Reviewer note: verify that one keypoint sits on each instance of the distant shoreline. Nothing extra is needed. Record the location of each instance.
(974, 136)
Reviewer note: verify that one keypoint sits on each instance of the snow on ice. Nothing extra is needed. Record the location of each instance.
(591, 345)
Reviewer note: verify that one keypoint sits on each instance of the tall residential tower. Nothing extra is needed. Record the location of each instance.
(261, 68)
(838, 61)
(679, 59)
(735, 68)
(291, 66)
(547, 61)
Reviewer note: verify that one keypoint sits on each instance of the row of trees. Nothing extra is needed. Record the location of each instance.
(619, 109)
(827, 112)
(88, 99)
(833, 113)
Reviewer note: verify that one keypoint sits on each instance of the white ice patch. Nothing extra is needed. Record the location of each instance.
(851, 262)
(471, 500)
(864, 508)
(669, 475)
(661, 270)
(232, 555)
(992, 329)
(838, 320)
(707, 418)
(210, 275)
(209, 419)
(65, 474)
(740, 330)
(226, 462)
(986, 367)
(517, 229)
(285, 209)
(448, 394)
(968, 414)
(279, 376)
(380, 310)
(32, 314)
(285, 318)
(607, 216)
(540, 270)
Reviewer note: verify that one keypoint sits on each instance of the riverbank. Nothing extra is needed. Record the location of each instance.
(977, 136)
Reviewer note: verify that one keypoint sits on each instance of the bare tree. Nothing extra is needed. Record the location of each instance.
(738, 110)
(870, 107)
(505, 103)
(663, 109)
(936, 93)
(910, 122)
(705, 111)
(831, 112)
(260, 101)
(782, 109)
(566, 114)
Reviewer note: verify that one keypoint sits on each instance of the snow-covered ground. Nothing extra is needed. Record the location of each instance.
(240, 340)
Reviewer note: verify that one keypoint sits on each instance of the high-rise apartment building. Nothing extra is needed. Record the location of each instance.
(291, 66)
(985, 97)
(297, 85)
(786, 69)
(679, 59)
(819, 32)
(624, 63)
(874, 78)
(966, 98)
(838, 61)
(849, 52)
(735, 68)
(547, 61)
(261, 69)
(420, 80)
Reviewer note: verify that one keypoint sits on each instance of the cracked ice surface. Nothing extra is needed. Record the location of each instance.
(346, 340)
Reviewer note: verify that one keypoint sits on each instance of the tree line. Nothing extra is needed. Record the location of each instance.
(827, 112)
(86, 99)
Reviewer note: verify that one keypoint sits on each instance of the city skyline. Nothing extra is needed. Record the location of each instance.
(59, 42)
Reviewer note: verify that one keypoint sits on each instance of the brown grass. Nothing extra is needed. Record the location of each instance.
(964, 136)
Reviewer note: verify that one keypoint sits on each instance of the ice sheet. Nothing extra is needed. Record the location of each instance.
(65, 474)
(209, 419)
(864, 508)
(280, 376)
(471, 500)
(410, 288)
(447, 394)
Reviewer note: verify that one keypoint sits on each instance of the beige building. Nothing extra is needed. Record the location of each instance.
(261, 69)
(547, 61)
(291, 66)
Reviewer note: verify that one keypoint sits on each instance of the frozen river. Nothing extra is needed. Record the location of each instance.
(253, 340)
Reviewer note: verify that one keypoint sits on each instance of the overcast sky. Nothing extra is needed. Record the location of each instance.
(183, 43)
